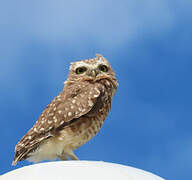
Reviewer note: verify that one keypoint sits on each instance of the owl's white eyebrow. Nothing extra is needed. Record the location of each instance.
(80, 64)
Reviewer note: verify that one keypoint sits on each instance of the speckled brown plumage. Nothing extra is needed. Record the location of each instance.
(74, 116)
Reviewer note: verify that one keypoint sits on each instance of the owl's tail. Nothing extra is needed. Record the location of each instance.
(19, 156)
(14, 163)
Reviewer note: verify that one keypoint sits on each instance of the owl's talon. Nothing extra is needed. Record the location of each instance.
(72, 156)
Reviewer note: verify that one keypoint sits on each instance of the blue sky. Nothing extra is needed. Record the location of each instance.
(148, 43)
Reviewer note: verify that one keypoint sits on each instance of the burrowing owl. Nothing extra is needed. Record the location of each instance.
(74, 116)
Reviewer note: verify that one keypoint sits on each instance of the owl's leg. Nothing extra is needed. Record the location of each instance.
(72, 155)
(62, 157)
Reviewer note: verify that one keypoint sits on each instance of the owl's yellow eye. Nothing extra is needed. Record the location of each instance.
(81, 70)
(103, 68)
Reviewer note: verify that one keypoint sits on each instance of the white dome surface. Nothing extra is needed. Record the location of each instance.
(81, 170)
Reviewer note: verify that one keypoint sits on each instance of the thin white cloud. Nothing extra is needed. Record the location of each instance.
(108, 23)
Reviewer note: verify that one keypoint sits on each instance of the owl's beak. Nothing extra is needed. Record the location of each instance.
(93, 73)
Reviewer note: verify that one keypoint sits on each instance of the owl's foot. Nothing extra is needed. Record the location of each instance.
(63, 157)
(72, 156)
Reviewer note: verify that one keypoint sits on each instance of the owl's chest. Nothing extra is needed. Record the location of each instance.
(87, 126)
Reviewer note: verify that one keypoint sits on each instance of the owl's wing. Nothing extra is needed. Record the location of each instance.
(74, 102)
(64, 109)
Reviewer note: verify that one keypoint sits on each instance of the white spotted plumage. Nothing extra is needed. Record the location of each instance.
(74, 116)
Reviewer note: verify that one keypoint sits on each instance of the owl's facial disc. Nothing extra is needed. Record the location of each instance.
(91, 69)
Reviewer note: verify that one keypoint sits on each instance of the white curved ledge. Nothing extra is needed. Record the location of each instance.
(85, 170)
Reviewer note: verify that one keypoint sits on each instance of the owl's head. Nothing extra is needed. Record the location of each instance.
(91, 70)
